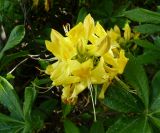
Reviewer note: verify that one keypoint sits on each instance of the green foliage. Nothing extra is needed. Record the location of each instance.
(9, 99)
(147, 28)
(132, 125)
(19, 120)
(151, 52)
(120, 100)
(131, 103)
(15, 38)
(136, 76)
(70, 127)
(97, 127)
(143, 15)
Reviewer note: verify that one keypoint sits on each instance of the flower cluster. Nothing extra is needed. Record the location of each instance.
(87, 55)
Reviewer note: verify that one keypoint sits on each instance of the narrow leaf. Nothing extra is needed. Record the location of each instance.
(30, 94)
(148, 56)
(145, 44)
(147, 28)
(136, 76)
(9, 98)
(7, 119)
(120, 100)
(156, 121)
(143, 15)
(130, 125)
(81, 15)
(15, 38)
(156, 92)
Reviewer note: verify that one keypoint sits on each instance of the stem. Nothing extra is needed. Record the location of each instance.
(124, 85)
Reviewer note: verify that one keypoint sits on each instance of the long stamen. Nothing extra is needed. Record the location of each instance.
(95, 88)
(93, 104)
(95, 94)
(66, 28)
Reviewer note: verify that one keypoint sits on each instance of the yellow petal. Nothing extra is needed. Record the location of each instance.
(76, 33)
(71, 92)
(84, 70)
(56, 36)
(103, 46)
(99, 75)
(61, 73)
(122, 61)
(109, 59)
(91, 49)
(64, 80)
(113, 35)
(53, 48)
(103, 90)
(117, 30)
(78, 88)
(81, 47)
(88, 26)
(61, 47)
(66, 93)
(51, 68)
(58, 69)
(112, 72)
(127, 32)
(99, 31)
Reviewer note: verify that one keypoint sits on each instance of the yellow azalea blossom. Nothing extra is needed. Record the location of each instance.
(128, 35)
(87, 77)
(127, 32)
(62, 47)
(86, 55)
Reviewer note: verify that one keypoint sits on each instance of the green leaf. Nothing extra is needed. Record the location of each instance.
(145, 44)
(143, 15)
(102, 9)
(156, 121)
(15, 38)
(147, 28)
(7, 119)
(120, 100)
(30, 95)
(81, 15)
(66, 109)
(130, 125)
(84, 129)
(10, 128)
(46, 108)
(9, 98)
(136, 76)
(97, 127)
(156, 93)
(37, 120)
(70, 127)
(149, 56)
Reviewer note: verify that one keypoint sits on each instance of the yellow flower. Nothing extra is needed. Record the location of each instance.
(61, 47)
(127, 32)
(86, 55)
(87, 77)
